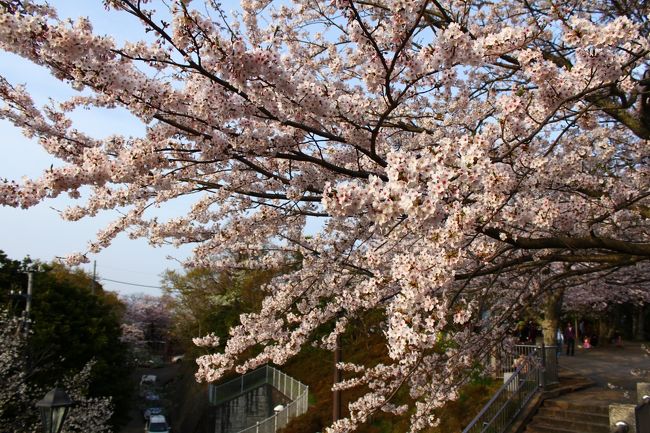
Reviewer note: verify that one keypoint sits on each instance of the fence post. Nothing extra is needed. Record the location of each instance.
(542, 376)
(622, 414)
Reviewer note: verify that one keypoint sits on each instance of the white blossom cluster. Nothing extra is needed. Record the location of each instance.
(461, 160)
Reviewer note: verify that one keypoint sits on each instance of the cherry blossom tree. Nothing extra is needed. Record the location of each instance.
(590, 293)
(459, 157)
(18, 394)
(609, 290)
(146, 317)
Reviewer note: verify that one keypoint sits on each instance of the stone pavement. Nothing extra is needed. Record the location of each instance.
(610, 367)
(589, 382)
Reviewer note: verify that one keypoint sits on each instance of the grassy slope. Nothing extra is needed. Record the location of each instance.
(314, 367)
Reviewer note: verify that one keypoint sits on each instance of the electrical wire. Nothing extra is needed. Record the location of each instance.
(129, 284)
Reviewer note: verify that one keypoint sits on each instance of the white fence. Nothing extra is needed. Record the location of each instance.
(294, 390)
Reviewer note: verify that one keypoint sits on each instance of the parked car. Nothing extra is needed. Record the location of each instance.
(177, 358)
(150, 362)
(150, 411)
(157, 424)
(148, 379)
(150, 395)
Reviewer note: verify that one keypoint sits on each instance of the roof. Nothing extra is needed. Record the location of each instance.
(157, 418)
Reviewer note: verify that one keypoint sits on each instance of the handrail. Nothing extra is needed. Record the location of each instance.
(508, 401)
(548, 355)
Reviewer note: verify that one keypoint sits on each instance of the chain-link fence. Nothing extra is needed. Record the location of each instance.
(295, 391)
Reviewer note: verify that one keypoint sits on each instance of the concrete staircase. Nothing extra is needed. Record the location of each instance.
(560, 415)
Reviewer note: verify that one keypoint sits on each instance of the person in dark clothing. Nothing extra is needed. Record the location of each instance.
(570, 340)
(532, 332)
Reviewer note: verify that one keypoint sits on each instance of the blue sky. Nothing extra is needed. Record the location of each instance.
(38, 231)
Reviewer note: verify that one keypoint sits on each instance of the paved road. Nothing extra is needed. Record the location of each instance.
(164, 375)
(611, 366)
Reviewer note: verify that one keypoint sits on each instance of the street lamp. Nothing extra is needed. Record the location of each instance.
(54, 407)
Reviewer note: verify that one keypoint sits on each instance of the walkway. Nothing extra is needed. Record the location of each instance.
(610, 367)
(589, 382)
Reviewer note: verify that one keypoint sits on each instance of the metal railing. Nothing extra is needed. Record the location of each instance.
(517, 390)
(296, 392)
(547, 357)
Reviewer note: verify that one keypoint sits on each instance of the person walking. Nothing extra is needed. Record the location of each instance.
(559, 340)
(570, 339)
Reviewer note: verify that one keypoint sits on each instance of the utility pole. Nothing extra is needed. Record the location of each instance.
(28, 300)
(92, 289)
(338, 377)
(30, 288)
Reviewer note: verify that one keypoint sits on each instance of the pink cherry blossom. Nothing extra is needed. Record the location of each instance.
(460, 161)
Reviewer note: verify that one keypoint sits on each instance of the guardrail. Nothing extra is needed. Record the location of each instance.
(517, 390)
(296, 392)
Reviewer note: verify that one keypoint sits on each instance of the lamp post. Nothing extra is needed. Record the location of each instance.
(54, 408)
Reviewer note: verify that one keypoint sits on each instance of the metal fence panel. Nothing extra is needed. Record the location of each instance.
(551, 365)
(293, 389)
(508, 401)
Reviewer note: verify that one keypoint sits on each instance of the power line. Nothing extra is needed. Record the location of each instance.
(129, 284)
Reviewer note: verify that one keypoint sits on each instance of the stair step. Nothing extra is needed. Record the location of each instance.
(573, 415)
(536, 427)
(573, 425)
(577, 407)
(548, 429)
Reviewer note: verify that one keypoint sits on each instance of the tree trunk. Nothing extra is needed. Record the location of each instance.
(607, 327)
(551, 319)
(637, 322)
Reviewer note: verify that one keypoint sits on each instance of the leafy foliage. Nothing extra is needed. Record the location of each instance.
(205, 301)
(19, 392)
(70, 328)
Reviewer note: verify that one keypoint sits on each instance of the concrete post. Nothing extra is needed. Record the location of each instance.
(625, 413)
(642, 391)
